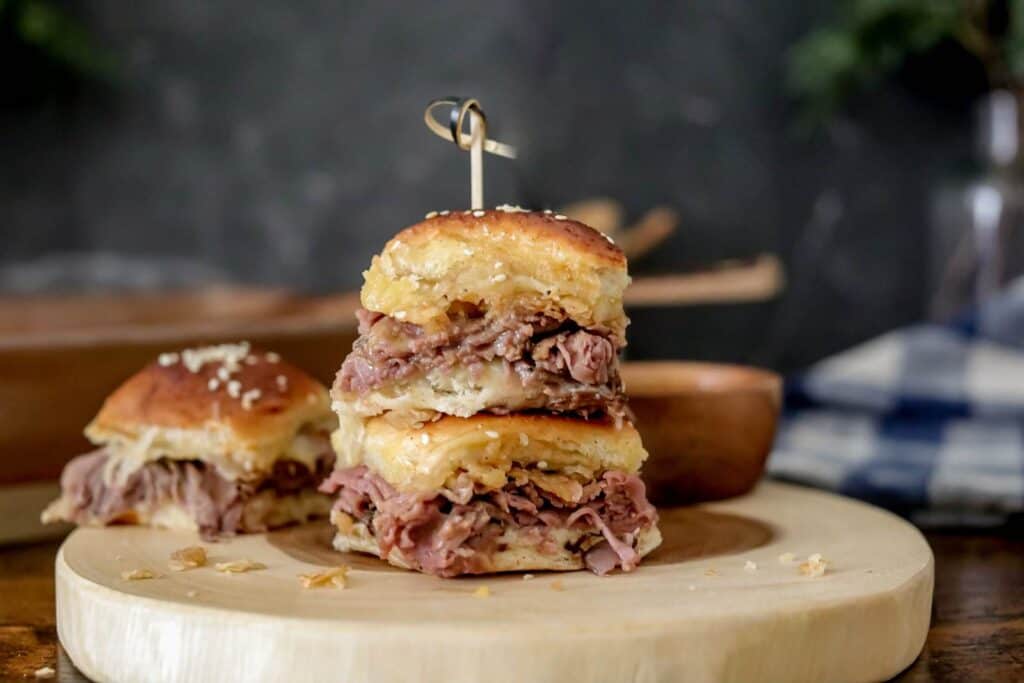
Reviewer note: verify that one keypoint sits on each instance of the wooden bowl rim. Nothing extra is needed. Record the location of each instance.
(666, 378)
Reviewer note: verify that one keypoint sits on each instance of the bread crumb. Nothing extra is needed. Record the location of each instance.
(710, 572)
(228, 355)
(557, 585)
(482, 592)
(814, 566)
(527, 577)
(491, 434)
(137, 574)
(432, 214)
(335, 576)
(238, 566)
(45, 672)
(188, 558)
(191, 594)
(750, 566)
(786, 558)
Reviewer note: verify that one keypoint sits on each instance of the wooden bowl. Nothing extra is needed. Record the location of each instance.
(708, 427)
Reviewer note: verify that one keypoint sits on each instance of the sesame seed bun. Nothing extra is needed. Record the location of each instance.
(497, 260)
(485, 447)
(235, 407)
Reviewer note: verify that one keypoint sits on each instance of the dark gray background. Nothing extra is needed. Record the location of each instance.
(282, 143)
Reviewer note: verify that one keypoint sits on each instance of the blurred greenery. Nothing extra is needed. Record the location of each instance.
(51, 32)
(871, 39)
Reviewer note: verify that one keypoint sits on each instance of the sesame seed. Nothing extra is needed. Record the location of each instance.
(282, 382)
(498, 264)
(432, 214)
(272, 357)
(467, 212)
(542, 464)
(500, 277)
(234, 388)
(548, 212)
(609, 238)
(479, 214)
(560, 217)
(250, 397)
(467, 252)
(424, 438)
(251, 360)
(511, 208)
(166, 359)
(491, 434)
(213, 384)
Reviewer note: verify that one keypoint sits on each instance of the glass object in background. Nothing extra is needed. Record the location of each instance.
(977, 232)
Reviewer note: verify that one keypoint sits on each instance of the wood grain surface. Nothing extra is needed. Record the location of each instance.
(714, 603)
(977, 631)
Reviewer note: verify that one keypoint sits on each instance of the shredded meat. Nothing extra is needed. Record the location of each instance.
(568, 369)
(218, 504)
(457, 530)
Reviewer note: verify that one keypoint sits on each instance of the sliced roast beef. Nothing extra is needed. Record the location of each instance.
(457, 530)
(216, 503)
(567, 368)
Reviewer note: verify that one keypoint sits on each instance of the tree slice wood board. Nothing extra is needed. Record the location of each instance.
(714, 603)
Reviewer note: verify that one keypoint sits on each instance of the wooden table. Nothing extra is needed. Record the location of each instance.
(977, 629)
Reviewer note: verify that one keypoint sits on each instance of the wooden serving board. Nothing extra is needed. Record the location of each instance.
(694, 611)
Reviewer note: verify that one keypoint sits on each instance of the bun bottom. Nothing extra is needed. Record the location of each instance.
(263, 511)
(521, 552)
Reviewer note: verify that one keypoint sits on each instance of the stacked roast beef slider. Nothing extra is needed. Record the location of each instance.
(483, 426)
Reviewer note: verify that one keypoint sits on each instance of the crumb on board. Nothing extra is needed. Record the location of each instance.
(750, 566)
(557, 585)
(45, 672)
(191, 594)
(710, 572)
(787, 558)
(814, 566)
(137, 574)
(335, 576)
(188, 558)
(527, 577)
(482, 592)
(238, 566)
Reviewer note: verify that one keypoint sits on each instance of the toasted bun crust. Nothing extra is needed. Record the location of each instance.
(498, 260)
(520, 553)
(187, 406)
(486, 447)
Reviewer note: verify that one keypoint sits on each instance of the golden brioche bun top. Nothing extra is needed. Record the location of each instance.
(231, 405)
(487, 447)
(497, 260)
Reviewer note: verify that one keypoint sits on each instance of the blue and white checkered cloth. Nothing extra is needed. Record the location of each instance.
(927, 421)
